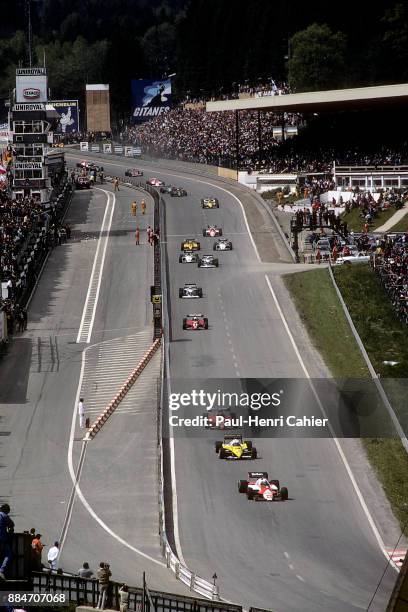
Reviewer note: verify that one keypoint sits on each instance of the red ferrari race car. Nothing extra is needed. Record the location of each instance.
(85, 164)
(83, 182)
(259, 488)
(195, 321)
(212, 230)
(134, 172)
(220, 418)
(155, 182)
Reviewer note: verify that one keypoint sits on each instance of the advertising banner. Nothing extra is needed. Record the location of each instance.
(150, 98)
(129, 151)
(31, 85)
(68, 111)
(84, 146)
(107, 147)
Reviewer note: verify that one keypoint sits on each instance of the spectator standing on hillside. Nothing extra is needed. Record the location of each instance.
(6, 530)
(85, 571)
(53, 556)
(137, 235)
(37, 550)
(124, 597)
(104, 575)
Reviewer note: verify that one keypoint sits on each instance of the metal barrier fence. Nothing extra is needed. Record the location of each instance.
(86, 592)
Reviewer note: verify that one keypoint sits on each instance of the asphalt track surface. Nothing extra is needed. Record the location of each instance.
(315, 552)
(39, 382)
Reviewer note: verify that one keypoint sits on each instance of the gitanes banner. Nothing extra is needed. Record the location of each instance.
(68, 111)
(150, 98)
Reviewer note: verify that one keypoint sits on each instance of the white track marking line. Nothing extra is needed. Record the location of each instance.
(92, 297)
(335, 440)
(287, 555)
(78, 491)
(300, 578)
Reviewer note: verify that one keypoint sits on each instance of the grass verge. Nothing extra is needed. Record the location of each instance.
(356, 223)
(401, 226)
(322, 314)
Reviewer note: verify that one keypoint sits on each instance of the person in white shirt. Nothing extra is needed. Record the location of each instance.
(81, 413)
(53, 556)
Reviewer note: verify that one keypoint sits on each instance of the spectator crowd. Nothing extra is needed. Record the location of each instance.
(27, 232)
(391, 264)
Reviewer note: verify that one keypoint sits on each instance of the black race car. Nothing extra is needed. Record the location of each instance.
(133, 172)
(178, 192)
(88, 165)
(166, 188)
(190, 290)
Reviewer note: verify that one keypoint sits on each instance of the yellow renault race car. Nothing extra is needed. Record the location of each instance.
(210, 203)
(233, 447)
(190, 244)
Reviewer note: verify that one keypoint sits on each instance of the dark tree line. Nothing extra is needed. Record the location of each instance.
(212, 45)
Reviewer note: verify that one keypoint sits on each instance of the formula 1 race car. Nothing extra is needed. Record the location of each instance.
(222, 244)
(134, 172)
(219, 418)
(190, 290)
(166, 188)
(210, 203)
(259, 488)
(208, 261)
(83, 182)
(212, 230)
(88, 165)
(188, 257)
(195, 321)
(234, 447)
(155, 182)
(178, 192)
(190, 244)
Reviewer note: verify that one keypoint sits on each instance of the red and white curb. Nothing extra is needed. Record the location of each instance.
(397, 556)
(125, 388)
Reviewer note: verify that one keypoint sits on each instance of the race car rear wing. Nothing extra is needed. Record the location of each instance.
(232, 436)
(257, 474)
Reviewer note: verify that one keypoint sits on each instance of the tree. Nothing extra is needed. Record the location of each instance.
(394, 44)
(317, 59)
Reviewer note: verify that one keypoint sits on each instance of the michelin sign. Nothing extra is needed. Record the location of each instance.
(68, 112)
(150, 98)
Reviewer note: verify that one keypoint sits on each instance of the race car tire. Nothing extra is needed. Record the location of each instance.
(249, 444)
(200, 292)
(184, 323)
(180, 293)
(284, 494)
(220, 232)
(242, 486)
(222, 453)
(180, 259)
(275, 482)
(250, 495)
(254, 453)
(216, 263)
(205, 323)
(182, 246)
(204, 233)
(218, 446)
(215, 247)
(198, 246)
(199, 264)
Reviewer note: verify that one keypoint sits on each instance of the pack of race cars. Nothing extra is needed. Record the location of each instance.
(257, 486)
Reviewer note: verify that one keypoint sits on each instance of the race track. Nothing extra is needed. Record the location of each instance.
(315, 552)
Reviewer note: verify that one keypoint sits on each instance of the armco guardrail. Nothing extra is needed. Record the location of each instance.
(86, 591)
(125, 388)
